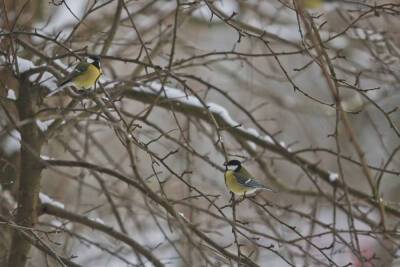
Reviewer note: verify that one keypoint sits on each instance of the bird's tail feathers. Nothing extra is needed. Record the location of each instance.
(65, 82)
(268, 189)
(60, 88)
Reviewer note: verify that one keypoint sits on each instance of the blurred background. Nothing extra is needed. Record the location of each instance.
(304, 94)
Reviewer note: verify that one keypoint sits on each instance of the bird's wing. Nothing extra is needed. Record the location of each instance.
(79, 69)
(244, 178)
(246, 181)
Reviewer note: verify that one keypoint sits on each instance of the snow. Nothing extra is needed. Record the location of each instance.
(46, 78)
(11, 143)
(171, 93)
(96, 219)
(24, 64)
(270, 10)
(268, 139)
(365, 34)
(353, 104)
(183, 216)
(228, 7)
(333, 176)
(44, 125)
(154, 87)
(181, 96)
(45, 199)
(221, 111)
(11, 94)
(254, 132)
(44, 157)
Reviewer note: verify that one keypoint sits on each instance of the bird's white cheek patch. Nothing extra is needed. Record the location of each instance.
(231, 167)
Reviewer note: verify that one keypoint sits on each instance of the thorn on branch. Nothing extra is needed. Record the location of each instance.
(231, 16)
(169, 154)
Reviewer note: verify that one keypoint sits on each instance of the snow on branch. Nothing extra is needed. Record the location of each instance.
(45, 199)
(11, 143)
(46, 79)
(218, 111)
(191, 106)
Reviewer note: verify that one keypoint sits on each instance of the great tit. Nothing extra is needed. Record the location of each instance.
(239, 181)
(315, 3)
(84, 76)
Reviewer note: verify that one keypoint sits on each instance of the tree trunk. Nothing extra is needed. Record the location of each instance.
(30, 166)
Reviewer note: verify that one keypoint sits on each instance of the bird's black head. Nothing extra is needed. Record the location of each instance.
(96, 61)
(233, 165)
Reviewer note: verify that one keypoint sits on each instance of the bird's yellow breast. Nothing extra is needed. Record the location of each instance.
(312, 3)
(88, 78)
(233, 185)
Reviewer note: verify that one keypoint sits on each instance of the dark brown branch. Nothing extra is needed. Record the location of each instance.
(62, 213)
(30, 175)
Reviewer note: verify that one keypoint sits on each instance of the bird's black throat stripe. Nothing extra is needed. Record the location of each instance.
(96, 64)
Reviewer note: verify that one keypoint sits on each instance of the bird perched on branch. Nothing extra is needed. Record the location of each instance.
(239, 181)
(315, 3)
(84, 76)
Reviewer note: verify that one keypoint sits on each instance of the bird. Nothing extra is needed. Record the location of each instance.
(84, 76)
(239, 181)
(310, 4)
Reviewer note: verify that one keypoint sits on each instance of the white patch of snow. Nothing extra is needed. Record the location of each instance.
(11, 143)
(44, 157)
(24, 64)
(44, 125)
(171, 93)
(333, 176)
(254, 132)
(365, 34)
(268, 139)
(225, 6)
(46, 199)
(46, 78)
(96, 219)
(221, 111)
(11, 94)
(228, 6)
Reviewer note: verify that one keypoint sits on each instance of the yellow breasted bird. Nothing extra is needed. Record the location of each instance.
(84, 76)
(239, 181)
(314, 3)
